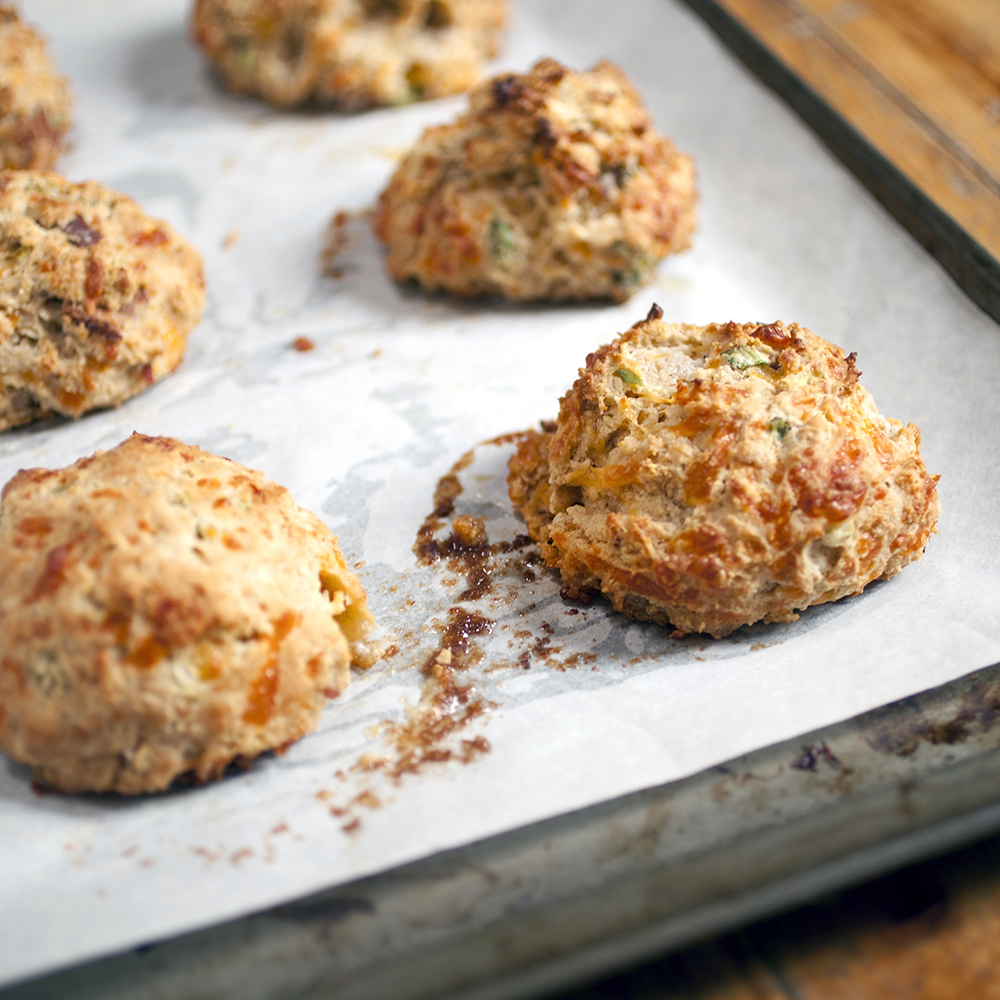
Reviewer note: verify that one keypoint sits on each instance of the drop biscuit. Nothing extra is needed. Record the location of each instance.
(712, 477)
(554, 186)
(165, 612)
(96, 298)
(35, 101)
(348, 54)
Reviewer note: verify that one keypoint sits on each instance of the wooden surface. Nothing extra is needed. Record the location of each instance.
(930, 932)
(907, 93)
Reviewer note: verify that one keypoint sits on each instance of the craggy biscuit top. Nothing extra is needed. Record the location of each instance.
(555, 184)
(350, 54)
(96, 297)
(34, 100)
(716, 476)
(163, 611)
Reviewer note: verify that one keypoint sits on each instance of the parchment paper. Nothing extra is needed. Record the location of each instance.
(398, 387)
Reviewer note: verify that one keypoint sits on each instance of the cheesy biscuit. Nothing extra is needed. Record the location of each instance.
(164, 612)
(554, 186)
(34, 99)
(348, 54)
(96, 298)
(712, 477)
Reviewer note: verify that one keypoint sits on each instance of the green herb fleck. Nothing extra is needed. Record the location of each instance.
(745, 357)
(501, 242)
(628, 376)
(247, 57)
(17, 253)
(632, 279)
(780, 426)
(639, 265)
(46, 674)
(416, 78)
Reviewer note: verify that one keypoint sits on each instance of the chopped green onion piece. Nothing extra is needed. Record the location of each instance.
(639, 265)
(631, 279)
(780, 426)
(745, 357)
(501, 242)
(628, 376)
(16, 254)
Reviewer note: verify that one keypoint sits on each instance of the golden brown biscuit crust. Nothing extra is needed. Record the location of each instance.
(711, 477)
(96, 298)
(348, 54)
(35, 101)
(163, 612)
(555, 185)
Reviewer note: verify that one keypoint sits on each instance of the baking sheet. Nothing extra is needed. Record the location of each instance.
(398, 387)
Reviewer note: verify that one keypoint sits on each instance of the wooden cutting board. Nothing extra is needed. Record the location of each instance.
(928, 932)
(907, 94)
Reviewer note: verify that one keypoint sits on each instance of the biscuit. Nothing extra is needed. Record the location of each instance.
(96, 298)
(554, 186)
(35, 101)
(712, 477)
(348, 54)
(164, 612)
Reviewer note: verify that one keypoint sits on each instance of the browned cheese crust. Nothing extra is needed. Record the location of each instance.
(35, 101)
(712, 477)
(96, 298)
(163, 612)
(348, 54)
(555, 185)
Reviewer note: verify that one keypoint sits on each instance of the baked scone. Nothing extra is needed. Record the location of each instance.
(554, 185)
(35, 101)
(96, 298)
(164, 612)
(348, 54)
(712, 477)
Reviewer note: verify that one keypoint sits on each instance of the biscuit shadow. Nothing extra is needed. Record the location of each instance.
(15, 436)
(357, 269)
(169, 71)
(17, 784)
(18, 787)
(364, 278)
(15, 779)
(175, 81)
(165, 68)
(34, 434)
(663, 649)
(477, 305)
